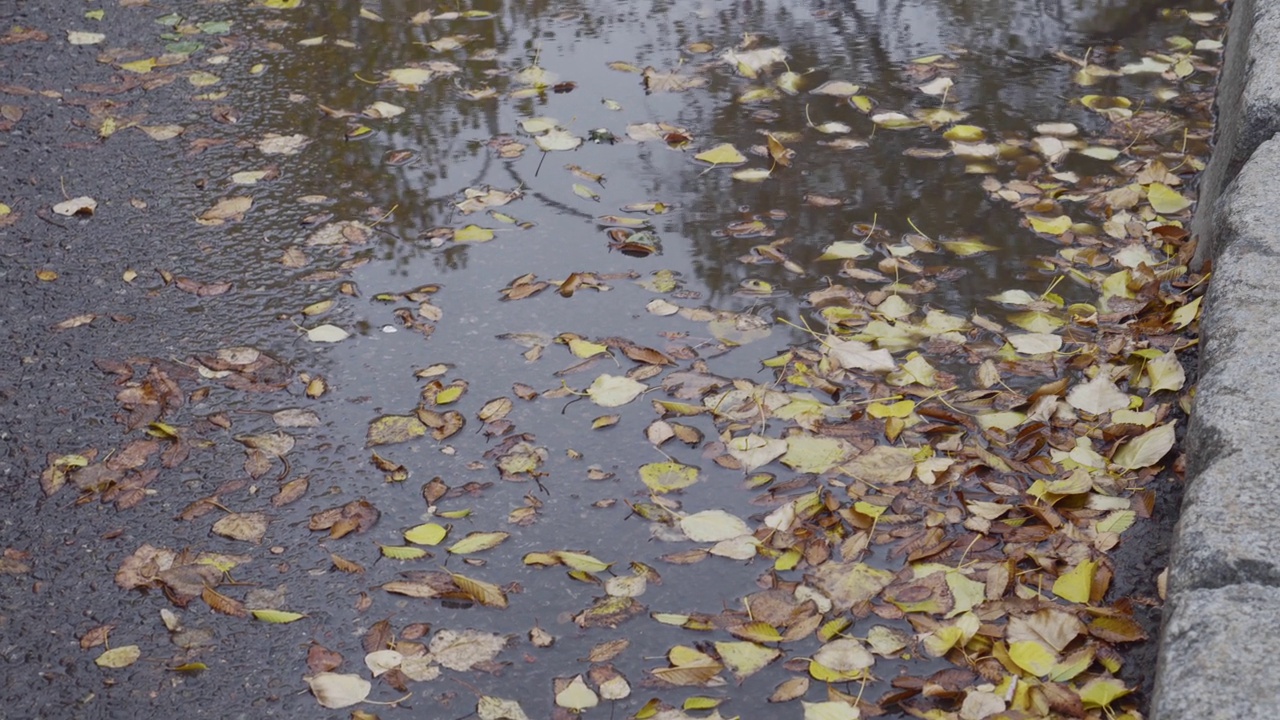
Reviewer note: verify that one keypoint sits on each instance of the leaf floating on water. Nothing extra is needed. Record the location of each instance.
(576, 696)
(390, 429)
(473, 233)
(665, 477)
(1099, 395)
(713, 526)
(614, 391)
(557, 140)
(336, 691)
(838, 88)
(494, 708)
(722, 154)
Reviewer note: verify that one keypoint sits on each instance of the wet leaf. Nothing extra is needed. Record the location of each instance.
(614, 390)
(327, 334)
(335, 690)
(119, 657)
(1147, 449)
(398, 552)
(390, 429)
(722, 154)
(486, 594)
(493, 708)
(1099, 395)
(812, 454)
(1051, 226)
(576, 696)
(1033, 657)
(830, 710)
(478, 542)
(713, 526)
(1165, 200)
(1076, 585)
(277, 616)
(461, 651)
(557, 140)
(665, 477)
(744, 659)
(249, 527)
(473, 233)
(426, 534)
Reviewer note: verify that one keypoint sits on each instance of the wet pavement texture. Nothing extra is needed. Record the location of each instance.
(156, 340)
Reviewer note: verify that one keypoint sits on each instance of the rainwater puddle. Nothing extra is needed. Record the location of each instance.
(905, 527)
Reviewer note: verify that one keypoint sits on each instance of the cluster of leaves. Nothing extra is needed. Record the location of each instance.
(936, 485)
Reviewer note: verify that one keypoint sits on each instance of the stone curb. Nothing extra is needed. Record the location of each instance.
(1222, 621)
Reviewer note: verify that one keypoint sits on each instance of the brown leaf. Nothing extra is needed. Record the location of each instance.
(608, 650)
(486, 594)
(75, 321)
(248, 527)
(200, 289)
(95, 637)
(322, 659)
(345, 565)
(290, 491)
(223, 604)
(379, 637)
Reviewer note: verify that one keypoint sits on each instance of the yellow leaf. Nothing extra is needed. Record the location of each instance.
(426, 534)
(745, 658)
(486, 594)
(277, 616)
(449, 394)
(1165, 200)
(723, 154)
(141, 67)
(582, 561)
(119, 657)
(398, 552)
(1051, 226)
(665, 477)
(478, 542)
(577, 696)
(585, 348)
(1076, 585)
(1033, 657)
(1184, 315)
(1146, 449)
(1101, 692)
(473, 233)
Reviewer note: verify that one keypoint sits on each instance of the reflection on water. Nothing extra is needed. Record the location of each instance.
(1006, 79)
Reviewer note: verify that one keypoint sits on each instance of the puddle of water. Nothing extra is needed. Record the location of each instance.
(1006, 80)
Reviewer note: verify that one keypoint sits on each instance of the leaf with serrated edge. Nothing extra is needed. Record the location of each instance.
(277, 616)
(478, 542)
(486, 594)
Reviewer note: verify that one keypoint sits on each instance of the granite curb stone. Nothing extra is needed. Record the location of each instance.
(1222, 621)
(1225, 663)
(1248, 108)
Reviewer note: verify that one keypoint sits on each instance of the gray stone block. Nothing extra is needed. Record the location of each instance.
(1229, 531)
(1248, 106)
(1217, 656)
